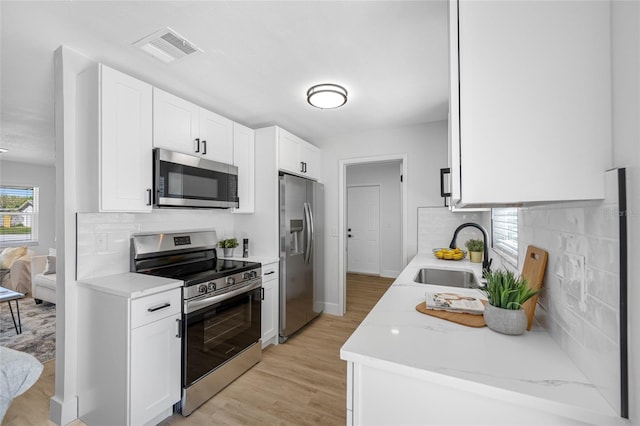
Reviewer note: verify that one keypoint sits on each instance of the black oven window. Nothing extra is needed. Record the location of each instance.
(217, 333)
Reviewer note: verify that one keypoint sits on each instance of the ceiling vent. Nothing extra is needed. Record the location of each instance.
(167, 46)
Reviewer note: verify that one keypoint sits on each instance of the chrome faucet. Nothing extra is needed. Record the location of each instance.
(486, 263)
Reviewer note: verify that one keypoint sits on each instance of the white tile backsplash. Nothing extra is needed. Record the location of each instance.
(437, 224)
(579, 304)
(103, 246)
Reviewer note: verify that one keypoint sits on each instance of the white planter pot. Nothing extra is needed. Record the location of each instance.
(505, 321)
(227, 252)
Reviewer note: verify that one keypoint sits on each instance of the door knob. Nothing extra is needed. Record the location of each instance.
(349, 235)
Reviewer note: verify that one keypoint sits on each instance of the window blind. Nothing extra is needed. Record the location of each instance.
(504, 227)
(18, 215)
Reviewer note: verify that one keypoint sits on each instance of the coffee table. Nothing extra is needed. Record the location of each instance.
(7, 295)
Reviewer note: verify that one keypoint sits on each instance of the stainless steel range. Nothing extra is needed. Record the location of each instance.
(221, 329)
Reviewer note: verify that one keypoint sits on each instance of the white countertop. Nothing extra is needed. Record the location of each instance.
(130, 284)
(530, 369)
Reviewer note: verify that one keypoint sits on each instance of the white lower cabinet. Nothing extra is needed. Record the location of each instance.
(128, 357)
(270, 285)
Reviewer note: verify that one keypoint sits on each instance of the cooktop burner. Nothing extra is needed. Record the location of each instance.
(205, 270)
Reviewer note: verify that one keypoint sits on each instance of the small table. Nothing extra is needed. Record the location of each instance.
(7, 295)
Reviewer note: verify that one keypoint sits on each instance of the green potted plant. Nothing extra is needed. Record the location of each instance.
(476, 248)
(227, 246)
(506, 294)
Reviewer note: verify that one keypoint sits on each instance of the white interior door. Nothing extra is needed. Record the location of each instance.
(363, 229)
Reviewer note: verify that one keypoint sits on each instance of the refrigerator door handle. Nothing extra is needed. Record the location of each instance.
(309, 230)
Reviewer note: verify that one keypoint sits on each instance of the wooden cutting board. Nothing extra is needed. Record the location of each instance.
(533, 269)
(457, 317)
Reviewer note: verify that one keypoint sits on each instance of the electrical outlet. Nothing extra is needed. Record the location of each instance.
(100, 242)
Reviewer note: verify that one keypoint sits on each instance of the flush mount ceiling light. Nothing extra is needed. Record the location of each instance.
(3, 150)
(327, 96)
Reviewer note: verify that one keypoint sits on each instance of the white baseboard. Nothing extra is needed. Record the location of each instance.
(389, 273)
(332, 309)
(63, 412)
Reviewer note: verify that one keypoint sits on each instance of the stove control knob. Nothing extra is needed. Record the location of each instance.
(211, 286)
(202, 288)
(231, 281)
(254, 274)
(247, 276)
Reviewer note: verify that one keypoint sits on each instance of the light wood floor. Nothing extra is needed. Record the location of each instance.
(302, 382)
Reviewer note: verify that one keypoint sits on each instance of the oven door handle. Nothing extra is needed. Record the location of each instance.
(195, 305)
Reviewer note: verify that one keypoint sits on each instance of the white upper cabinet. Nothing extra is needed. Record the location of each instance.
(176, 123)
(530, 111)
(216, 137)
(114, 125)
(297, 156)
(179, 125)
(244, 160)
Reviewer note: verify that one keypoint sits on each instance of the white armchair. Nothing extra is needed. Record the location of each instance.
(43, 279)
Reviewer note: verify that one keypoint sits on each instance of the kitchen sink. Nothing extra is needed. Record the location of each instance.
(445, 277)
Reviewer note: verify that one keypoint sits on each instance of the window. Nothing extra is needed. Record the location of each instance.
(19, 211)
(504, 232)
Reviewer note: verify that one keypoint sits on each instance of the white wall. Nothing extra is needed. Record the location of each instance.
(626, 153)
(426, 149)
(44, 177)
(387, 176)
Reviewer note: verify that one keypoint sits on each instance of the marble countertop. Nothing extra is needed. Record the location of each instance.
(131, 284)
(530, 369)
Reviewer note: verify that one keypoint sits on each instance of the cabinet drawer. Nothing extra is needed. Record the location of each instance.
(269, 271)
(155, 307)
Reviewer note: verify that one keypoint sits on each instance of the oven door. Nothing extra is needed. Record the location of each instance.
(219, 331)
(182, 180)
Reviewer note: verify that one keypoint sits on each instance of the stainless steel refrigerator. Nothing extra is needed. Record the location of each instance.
(301, 253)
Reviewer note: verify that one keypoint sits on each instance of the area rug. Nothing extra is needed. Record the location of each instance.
(38, 336)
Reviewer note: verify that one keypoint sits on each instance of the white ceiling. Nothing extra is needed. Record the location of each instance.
(259, 59)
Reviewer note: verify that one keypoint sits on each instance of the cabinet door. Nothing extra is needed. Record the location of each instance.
(155, 369)
(288, 157)
(216, 137)
(535, 106)
(310, 157)
(176, 123)
(244, 160)
(125, 142)
(270, 304)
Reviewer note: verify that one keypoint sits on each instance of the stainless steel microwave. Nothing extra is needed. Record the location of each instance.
(181, 180)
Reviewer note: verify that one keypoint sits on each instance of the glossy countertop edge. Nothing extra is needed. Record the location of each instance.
(131, 284)
(481, 362)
